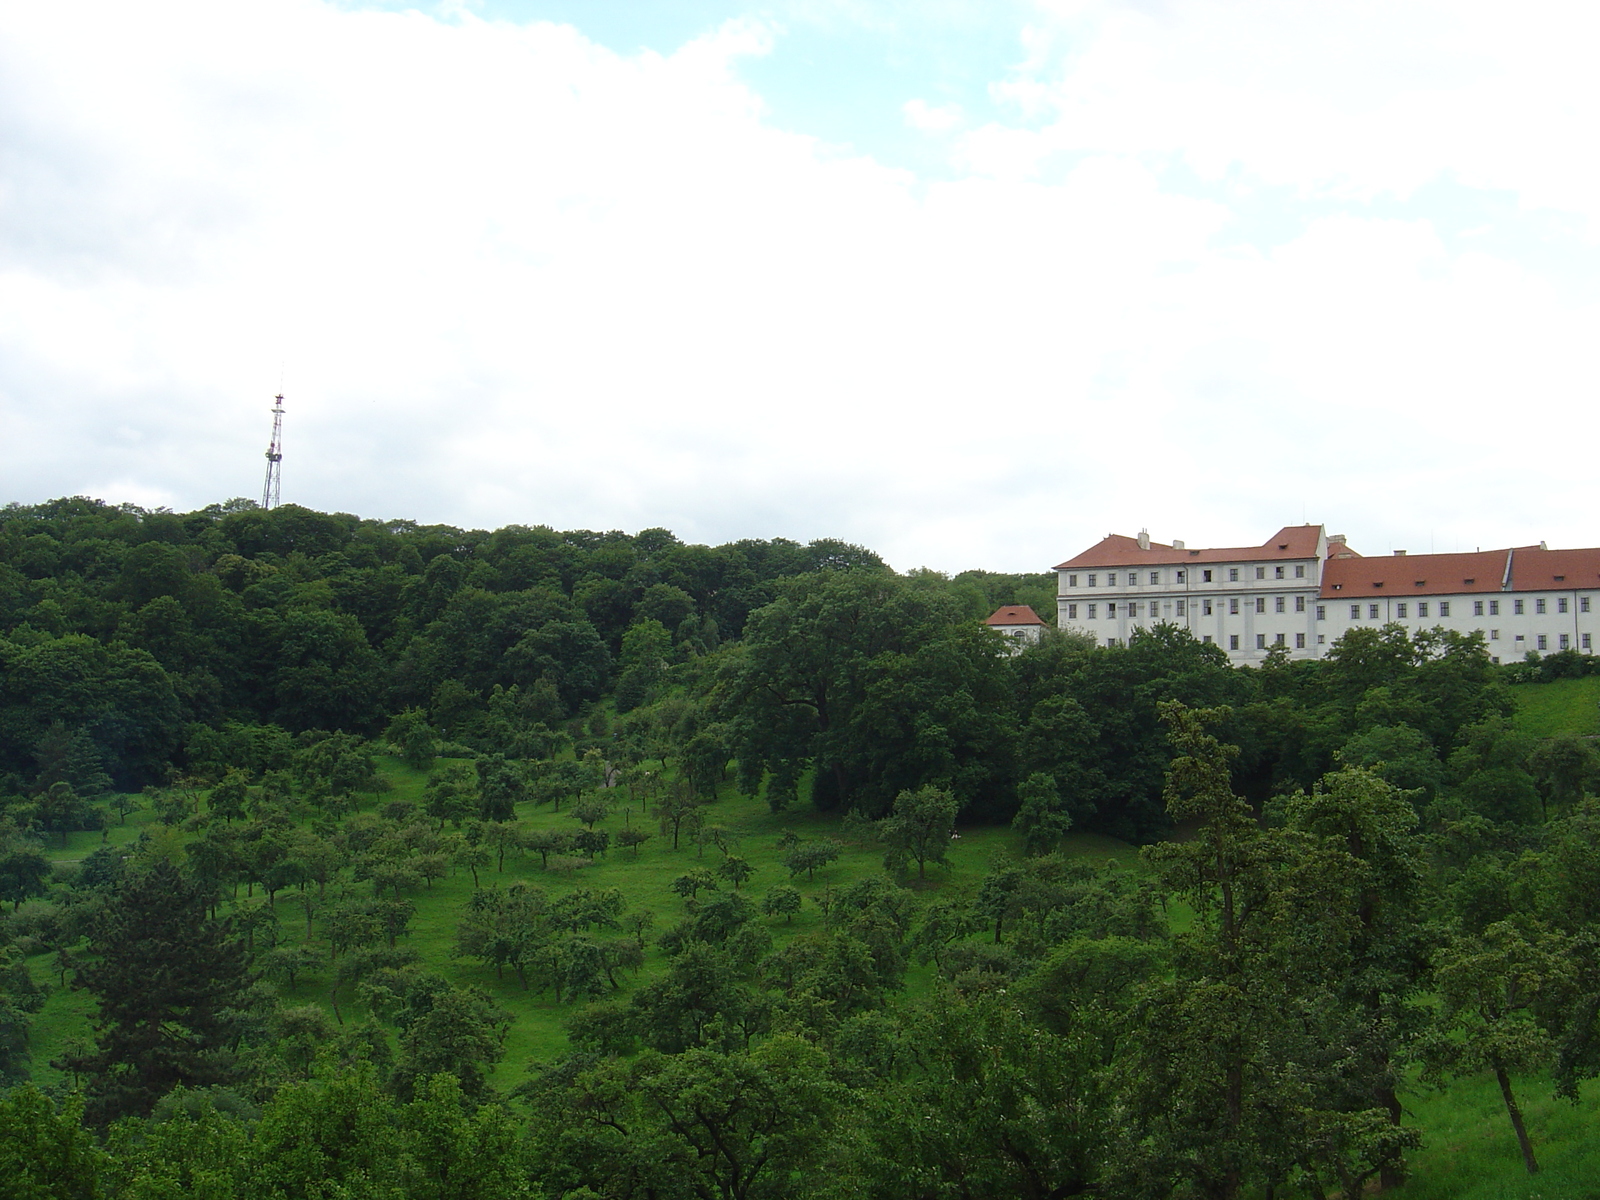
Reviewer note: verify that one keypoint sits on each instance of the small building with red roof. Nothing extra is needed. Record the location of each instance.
(1019, 623)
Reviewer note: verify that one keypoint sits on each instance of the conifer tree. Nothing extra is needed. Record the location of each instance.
(167, 979)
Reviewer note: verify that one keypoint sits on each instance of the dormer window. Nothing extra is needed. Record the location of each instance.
(1469, 582)
(1561, 578)
(1379, 584)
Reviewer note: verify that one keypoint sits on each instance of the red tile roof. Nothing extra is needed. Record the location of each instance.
(1292, 541)
(1013, 614)
(1536, 570)
(1402, 575)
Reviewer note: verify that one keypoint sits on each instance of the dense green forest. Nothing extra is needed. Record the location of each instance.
(358, 858)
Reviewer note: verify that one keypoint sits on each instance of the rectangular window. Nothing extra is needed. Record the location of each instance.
(1516, 607)
(1400, 609)
(1261, 572)
(1072, 581)
(1072, 612)
(1566, 642)
(1322, 612)
(1182, 609)
(1277, 572)
(1544, 642)
(1233, 606)
(1444, 608)
(1372, 612)
(1155, 576)
(1206, 639)
(1092, 580)
(1091, 612)
(1233, 641)
(1261, 604)
(1300, 571)
(1205, 607)
(1299, 641)
(1585, 638)
(1111, 579)
(1355, 612)
(1277, 604)
(1278, 641)
(1322, 639)
(1477, 608)
(1111, 643)
(1178, 575)
(1538, 605)
(1299, 604)
(1561, 604)
(1133, 608)
(1205, 576)
(1111, 610)
(1261, 641)
(1583, 604)
(1422, 608)
(1494, 635)
(1494, 608)
(1233, 574)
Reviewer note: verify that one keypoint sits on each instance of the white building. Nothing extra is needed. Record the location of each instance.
(1019, 623)
(1302, 589)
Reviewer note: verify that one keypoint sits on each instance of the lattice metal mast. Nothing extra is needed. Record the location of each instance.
(269, 493)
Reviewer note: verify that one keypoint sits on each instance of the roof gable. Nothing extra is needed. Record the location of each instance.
(1117, 550)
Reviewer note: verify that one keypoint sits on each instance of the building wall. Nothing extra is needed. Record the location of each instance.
(1249, 605)
(1245, 606)
(1508, 632)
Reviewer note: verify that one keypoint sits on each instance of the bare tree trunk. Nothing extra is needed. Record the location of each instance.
(1504, 1081)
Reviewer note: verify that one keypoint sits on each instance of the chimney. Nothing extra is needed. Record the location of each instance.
(1177, 543)
(1336, 539)
(1144, 539)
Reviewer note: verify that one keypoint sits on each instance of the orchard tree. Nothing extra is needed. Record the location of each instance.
(1041, 818)
(1489, 989)
(919, 829)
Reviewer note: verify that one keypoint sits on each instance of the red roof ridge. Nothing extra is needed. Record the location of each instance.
(1013, 614)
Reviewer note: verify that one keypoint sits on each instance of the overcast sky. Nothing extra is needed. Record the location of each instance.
(970, 283)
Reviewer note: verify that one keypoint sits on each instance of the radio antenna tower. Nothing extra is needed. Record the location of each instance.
(269, 492)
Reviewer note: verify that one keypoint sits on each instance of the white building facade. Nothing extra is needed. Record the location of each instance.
(1302, 589)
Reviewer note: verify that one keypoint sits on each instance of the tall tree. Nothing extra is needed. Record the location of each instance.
(167, 978)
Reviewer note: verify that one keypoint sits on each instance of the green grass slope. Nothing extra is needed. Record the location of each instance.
(1562, 708)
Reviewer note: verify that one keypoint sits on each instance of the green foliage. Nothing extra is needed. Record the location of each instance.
(44, 1149)
(919, 829)
(1041, 818)
(167, 979)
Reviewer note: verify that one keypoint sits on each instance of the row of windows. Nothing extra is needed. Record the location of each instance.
(1402, 608)
(1130, 609)
(1207, 607)
(1261, 641)
(1180, 575)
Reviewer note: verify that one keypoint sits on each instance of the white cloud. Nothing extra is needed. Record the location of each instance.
(509, 275)
(932, 118)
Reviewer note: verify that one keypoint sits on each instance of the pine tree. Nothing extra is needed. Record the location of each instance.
(167, 979)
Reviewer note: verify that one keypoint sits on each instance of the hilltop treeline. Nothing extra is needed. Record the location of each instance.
(138, 647)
